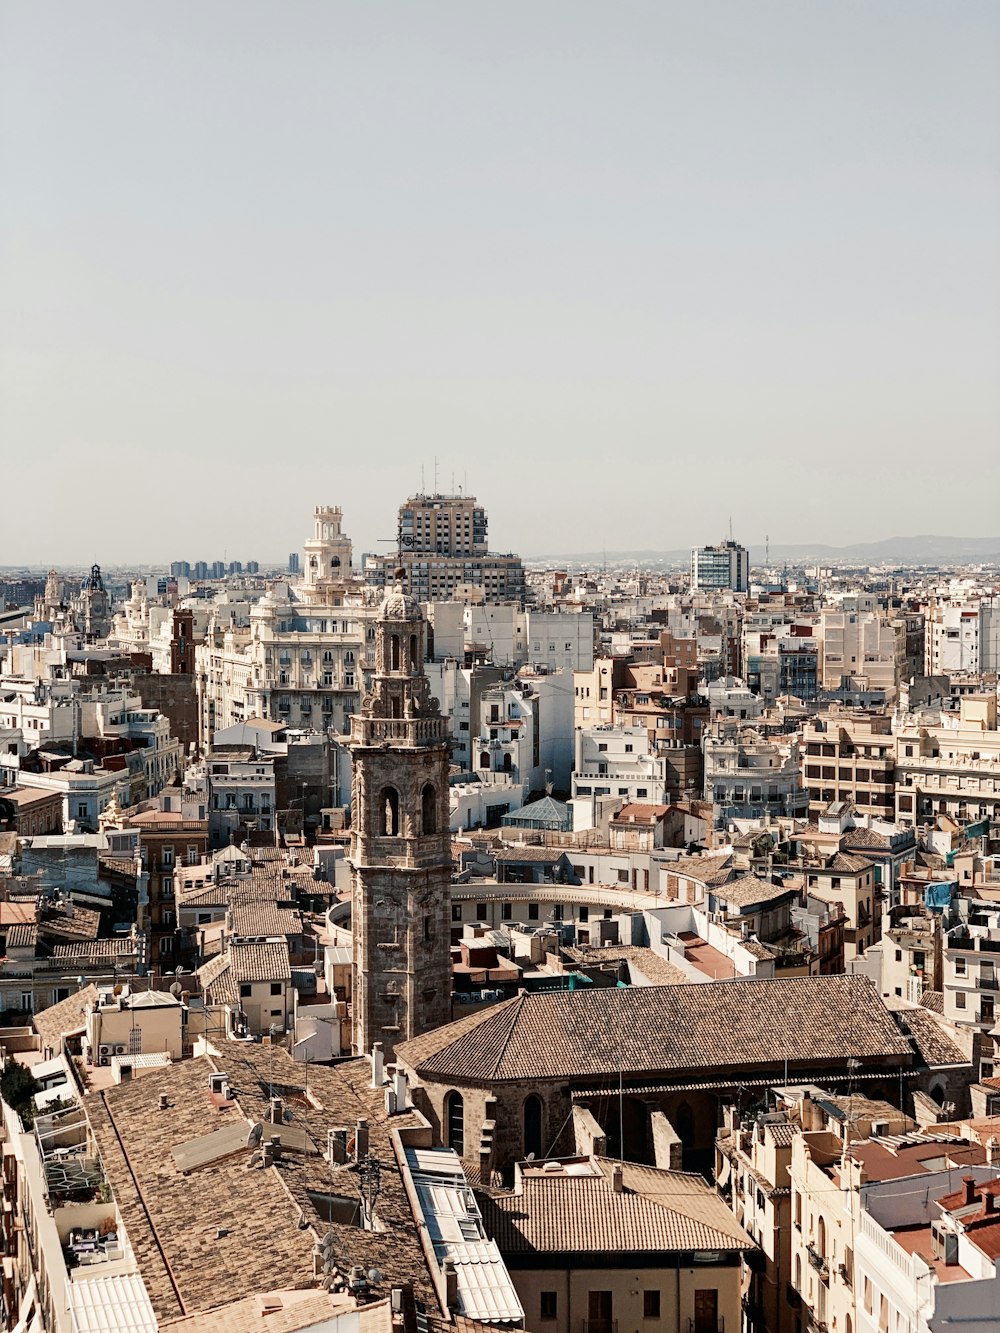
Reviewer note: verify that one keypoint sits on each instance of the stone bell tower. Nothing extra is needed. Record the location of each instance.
(400, 845)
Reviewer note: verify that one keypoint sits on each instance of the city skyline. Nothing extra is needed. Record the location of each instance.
(628, 271)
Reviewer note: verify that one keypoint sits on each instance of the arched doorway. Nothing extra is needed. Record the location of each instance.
(428, 808)
(454, 1115)
(533, 1126)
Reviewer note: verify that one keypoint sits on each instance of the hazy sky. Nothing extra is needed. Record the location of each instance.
(626, 269)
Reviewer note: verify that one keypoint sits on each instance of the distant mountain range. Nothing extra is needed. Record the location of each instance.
(922, 550)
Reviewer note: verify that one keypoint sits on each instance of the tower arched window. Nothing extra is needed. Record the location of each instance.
(428, 808)
(389, 812)
(533, 1126)
(454, 1114)
(414, 663)
(393, 652)
(508, 762)
(484, 759)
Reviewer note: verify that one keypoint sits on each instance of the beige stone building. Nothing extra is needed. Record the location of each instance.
(850, 756)
(596, 1245)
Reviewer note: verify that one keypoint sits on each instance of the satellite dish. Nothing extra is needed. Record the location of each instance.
(374, 1276)
(328, 1266)
(329, 1238)
(176, 989)
(255, 1135)
(118, 989)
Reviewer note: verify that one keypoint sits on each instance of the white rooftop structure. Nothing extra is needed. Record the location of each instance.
(455, 1229)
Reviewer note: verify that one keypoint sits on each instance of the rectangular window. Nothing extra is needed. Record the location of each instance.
(960, 999)
(482, 911)
(532, 911)
(246, 990)
(548, 1305)
(506, 911)
(651, 1305)
(276, 988)
(167, 856)
(456, 911)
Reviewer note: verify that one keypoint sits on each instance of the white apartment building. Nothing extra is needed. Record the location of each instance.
(506, 634)
(751, 776)
(893, 1234)
(619, 761)
(948, 762)
(57, 1202)
(963, 637)
(970, 974)
(523, 723)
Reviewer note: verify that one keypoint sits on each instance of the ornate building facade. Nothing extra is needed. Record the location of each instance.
(400, 850)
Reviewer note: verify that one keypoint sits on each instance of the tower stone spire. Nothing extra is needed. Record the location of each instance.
(400, 846)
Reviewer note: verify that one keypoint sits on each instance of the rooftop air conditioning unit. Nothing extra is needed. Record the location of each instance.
(121, 1049)
(105, 1050)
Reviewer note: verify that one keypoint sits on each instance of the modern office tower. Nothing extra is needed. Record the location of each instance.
(724, 566)
(443, 547)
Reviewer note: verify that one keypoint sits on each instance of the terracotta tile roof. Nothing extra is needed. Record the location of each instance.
(82, 923)
(221, 976)
(22, 936)
(250, 919)
(528, 856)
(638, 813)
(285, 1312)
(848, 865)
(865, 837)
(653, 967)
(117, 865)
(260, 962)
(96, 951)
(934, 1043)
(660, 1029)
(171, 1219)
(757, 950)
(782, 1133)
(748, 890)
(68, 1016)
(561, 1213)
(709, 869)
(933, 1000)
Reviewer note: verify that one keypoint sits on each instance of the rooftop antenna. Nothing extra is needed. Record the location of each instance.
(767, 550)
(435, 474)
(730, 527)
(423, 484)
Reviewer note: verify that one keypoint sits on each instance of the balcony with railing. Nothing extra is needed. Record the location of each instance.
(818, 1261)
